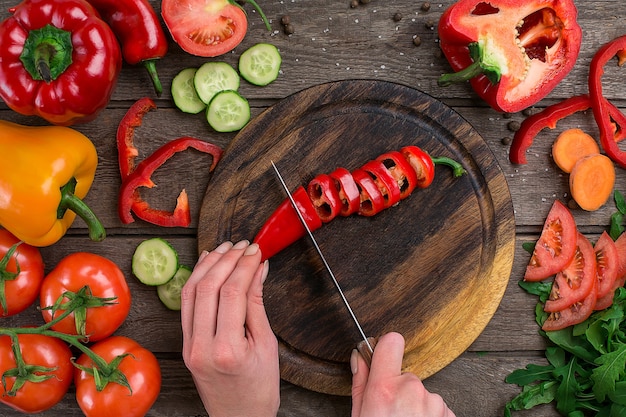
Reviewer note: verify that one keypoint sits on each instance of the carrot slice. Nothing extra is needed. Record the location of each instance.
(591, 181)
(572, 145)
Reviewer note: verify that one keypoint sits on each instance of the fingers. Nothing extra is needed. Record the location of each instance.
(257, 323)
(387, 358)
(360, 374)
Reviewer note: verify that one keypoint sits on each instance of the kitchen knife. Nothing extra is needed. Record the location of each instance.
(366, 346)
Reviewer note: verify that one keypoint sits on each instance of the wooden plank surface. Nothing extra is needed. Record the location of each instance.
(331, 42)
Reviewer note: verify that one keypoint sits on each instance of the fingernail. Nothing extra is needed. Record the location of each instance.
(354, 361)
(251, 250)
(241, 244)
(223, 248)
(266, 270)
(203, 255)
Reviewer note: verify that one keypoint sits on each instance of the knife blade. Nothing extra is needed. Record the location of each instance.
(366, 343)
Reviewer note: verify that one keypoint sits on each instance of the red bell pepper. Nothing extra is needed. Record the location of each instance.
(127, 152)
(136, 25)
(284, 226)
(600, 105)
(512, 52)
(58, 60)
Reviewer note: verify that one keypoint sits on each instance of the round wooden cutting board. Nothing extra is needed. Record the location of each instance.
(434, 267)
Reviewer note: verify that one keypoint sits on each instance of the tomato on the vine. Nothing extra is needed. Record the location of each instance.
(206, 28)
(18, 290)
(37, 350)
(574, 283)
(104, 279)
(556, 246)
(142, 372)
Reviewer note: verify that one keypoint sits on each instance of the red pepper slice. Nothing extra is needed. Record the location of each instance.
(348, 191)
(549, 117)
(599, 104)
(126, 150)
(421, 163)
(401, 171)
(385, 182)
(130, 200)
(284, 226)
(325, 197)
(372, 200)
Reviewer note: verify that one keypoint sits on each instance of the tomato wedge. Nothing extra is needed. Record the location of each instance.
(574, 314)
(607, 264)
(620, 276)
(574, 283)
(556, 246)
(207, 28)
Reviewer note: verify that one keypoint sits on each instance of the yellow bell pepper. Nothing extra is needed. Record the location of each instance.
(45, 171)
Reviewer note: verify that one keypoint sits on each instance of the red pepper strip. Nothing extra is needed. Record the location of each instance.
(348, 191)
(385, 182)
(599, 105)
(401, 171)
(284, 227)
(126, 150)
(549, 117)
(130, 200)
(325, 197)
(422, 163)
(372, 200)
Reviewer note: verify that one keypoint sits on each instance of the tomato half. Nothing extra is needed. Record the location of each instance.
(21, 290)
(556, 246)
(105, 280)
(49, 352)
(141, 369)
(574, 283)
(206, 28)
(574, 314)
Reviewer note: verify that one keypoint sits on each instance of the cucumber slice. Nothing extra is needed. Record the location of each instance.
(155, 261)
(228, 111)
(184, 92)
(260, 64)
(169, 293)
(213, 77)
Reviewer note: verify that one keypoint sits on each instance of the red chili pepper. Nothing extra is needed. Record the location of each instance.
(139, 31)
(422, 165)
(325, 197)
(127, 152)
(513, 53)
(284, 226)
(549, 117)
(401, 171)
(385, 182)
(372, 200)
(600, 105)
(58, 60)
(131, 201)
(348, 191)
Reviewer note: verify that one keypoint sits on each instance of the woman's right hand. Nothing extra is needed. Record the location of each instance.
(385, 391)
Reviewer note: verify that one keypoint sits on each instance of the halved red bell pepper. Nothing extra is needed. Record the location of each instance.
(512, 52)
(600, 105)
(284, 226)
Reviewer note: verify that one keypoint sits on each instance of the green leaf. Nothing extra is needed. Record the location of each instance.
(533, 395)
(556, 356)
(619, 395)
(616, 228)
(620, 202)
(566, 393)
(529, 246)
(540, 288)
(618, 410)
(577, 346)
(610, 369)
(532, 373)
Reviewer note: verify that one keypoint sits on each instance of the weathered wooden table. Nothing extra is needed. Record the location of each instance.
(334, 41)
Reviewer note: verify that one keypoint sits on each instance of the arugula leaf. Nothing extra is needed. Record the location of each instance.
(532, 395)
(619, 396)
(566, 393)
(617, 218)
(532, 373)
(610, 371)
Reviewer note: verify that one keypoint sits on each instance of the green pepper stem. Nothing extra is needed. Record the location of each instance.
(69, 201)
(457, 168)
(484, 63)
(150, 65)
(466, 74)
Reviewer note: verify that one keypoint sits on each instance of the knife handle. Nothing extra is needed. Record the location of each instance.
(364, 350)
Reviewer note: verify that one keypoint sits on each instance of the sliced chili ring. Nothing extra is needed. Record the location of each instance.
(349, 194)
(385, 182)
(325, 197)
(372, 200)
(401, 171)
(422, 163)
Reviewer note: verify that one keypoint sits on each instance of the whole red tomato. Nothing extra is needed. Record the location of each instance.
(21, 290)
(105, 280)
(49, 352)
(141, 369)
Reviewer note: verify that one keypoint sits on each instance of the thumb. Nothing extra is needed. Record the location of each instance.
(360, 373)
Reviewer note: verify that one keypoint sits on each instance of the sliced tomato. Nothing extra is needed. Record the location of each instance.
(607, 300)
(556, 246)
(574, 283)
(205, 28)
(607, 264)
(574, 314)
